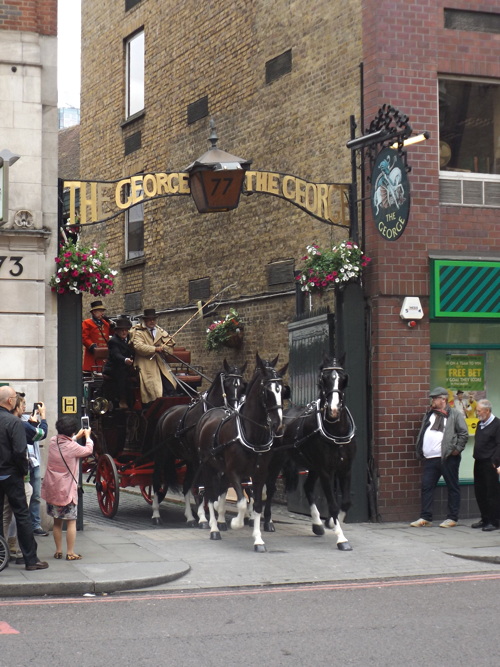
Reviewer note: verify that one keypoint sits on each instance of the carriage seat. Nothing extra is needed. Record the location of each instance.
(178, 365)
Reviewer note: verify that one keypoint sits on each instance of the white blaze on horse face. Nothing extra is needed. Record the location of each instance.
(333, 405)
(277, 391)
(234, 396)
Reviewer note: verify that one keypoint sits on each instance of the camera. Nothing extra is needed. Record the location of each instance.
(85, 422)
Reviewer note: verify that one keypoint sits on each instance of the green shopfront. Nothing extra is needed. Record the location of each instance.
(465, 344)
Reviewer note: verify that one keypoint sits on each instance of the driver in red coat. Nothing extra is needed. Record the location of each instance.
(96, 331)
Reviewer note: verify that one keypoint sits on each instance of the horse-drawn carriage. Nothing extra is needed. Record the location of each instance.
(123, 438)
(232, 433)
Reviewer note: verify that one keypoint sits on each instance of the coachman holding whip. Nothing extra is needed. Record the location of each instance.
(151, 344)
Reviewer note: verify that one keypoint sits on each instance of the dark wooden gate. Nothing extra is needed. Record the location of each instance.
(311, 336)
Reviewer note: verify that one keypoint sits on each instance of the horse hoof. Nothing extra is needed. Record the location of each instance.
(156, 521)
(318, 529)
(269, 527)
(215, 535)
(204, 525)
(344, 546)
(191, 524)
(259, 548)
(222, 526)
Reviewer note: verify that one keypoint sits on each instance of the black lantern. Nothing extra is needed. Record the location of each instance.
(216, 178)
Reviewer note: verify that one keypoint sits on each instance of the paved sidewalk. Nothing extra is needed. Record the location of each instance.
(128, 553)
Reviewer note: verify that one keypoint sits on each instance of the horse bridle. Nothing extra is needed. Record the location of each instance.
(240, 436)
(330, 393)
(223, 378)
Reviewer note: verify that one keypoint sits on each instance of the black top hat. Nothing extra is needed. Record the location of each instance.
(123, 323)
(149, 313)
(97, 305)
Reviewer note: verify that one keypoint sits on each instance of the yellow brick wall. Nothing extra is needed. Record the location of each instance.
(298, 124)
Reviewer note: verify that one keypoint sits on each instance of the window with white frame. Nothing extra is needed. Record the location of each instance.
(134, 227)
(134, 49)
(469, 141)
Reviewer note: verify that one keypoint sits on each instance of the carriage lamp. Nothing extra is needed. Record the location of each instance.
(216, 178)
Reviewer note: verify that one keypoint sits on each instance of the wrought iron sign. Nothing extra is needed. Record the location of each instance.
(384, 143)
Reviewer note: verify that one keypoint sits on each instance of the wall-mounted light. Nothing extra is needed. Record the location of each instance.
(415, 139)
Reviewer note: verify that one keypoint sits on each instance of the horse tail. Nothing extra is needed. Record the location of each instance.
(171, 474)
(290, 473)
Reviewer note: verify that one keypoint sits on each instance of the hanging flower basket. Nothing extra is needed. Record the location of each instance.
(323, 268)
(234, 340)
(82, 269)
(227, 332)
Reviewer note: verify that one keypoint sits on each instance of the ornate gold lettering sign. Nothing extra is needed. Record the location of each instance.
(104, 200)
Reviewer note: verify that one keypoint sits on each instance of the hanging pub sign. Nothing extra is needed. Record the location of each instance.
(390, 196)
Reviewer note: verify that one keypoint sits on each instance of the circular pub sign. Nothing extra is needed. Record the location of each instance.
(390, 195)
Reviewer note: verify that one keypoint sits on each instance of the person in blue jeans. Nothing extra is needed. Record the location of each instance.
(36, 429)
(440, 442)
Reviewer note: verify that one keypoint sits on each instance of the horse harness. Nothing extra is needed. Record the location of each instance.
(315, 408)
(181, 428)
(240, 436)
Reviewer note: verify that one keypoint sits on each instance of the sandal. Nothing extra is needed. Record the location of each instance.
(58, 555)
(73, 557)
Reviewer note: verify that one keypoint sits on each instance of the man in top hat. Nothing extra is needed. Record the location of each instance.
(151, 343)
(118, 371)
(96, 331)
(442, 437)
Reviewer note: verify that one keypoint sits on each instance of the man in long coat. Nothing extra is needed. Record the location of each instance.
(151, 343)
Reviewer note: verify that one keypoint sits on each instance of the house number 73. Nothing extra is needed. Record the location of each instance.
(17, 269)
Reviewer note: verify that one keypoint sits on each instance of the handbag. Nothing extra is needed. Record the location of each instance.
(78, 486)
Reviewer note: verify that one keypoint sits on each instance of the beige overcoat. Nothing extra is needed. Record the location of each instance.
(151, 365)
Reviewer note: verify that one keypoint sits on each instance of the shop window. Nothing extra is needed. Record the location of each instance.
(465, 357)
(134, 50)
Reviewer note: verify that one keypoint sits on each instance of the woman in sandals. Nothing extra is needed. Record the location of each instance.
(60, 484)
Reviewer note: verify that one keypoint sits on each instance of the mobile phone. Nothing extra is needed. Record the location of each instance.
(35, 407)
(85, 422)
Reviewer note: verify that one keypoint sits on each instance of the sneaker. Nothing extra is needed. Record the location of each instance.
(420, 523)
(449, 523)
(40, 532)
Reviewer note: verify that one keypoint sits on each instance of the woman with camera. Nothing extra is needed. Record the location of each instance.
(60, 483)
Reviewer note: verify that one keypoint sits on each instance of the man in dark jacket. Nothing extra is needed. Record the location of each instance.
(118, 370)
(13, 468)
(486, 459)
(441, 440)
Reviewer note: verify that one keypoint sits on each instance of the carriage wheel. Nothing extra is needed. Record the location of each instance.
(107, 486)
(4, 553)
(147, 493)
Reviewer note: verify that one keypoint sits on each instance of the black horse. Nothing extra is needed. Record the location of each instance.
(174, 444)
(319, 438)
(236, 446)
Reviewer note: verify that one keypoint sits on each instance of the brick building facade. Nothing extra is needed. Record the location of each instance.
(281, 79)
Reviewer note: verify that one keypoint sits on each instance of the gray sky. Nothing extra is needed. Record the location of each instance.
(68, 52)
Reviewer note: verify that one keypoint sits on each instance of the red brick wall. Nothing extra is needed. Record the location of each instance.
(38, 16)
(405, 49)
